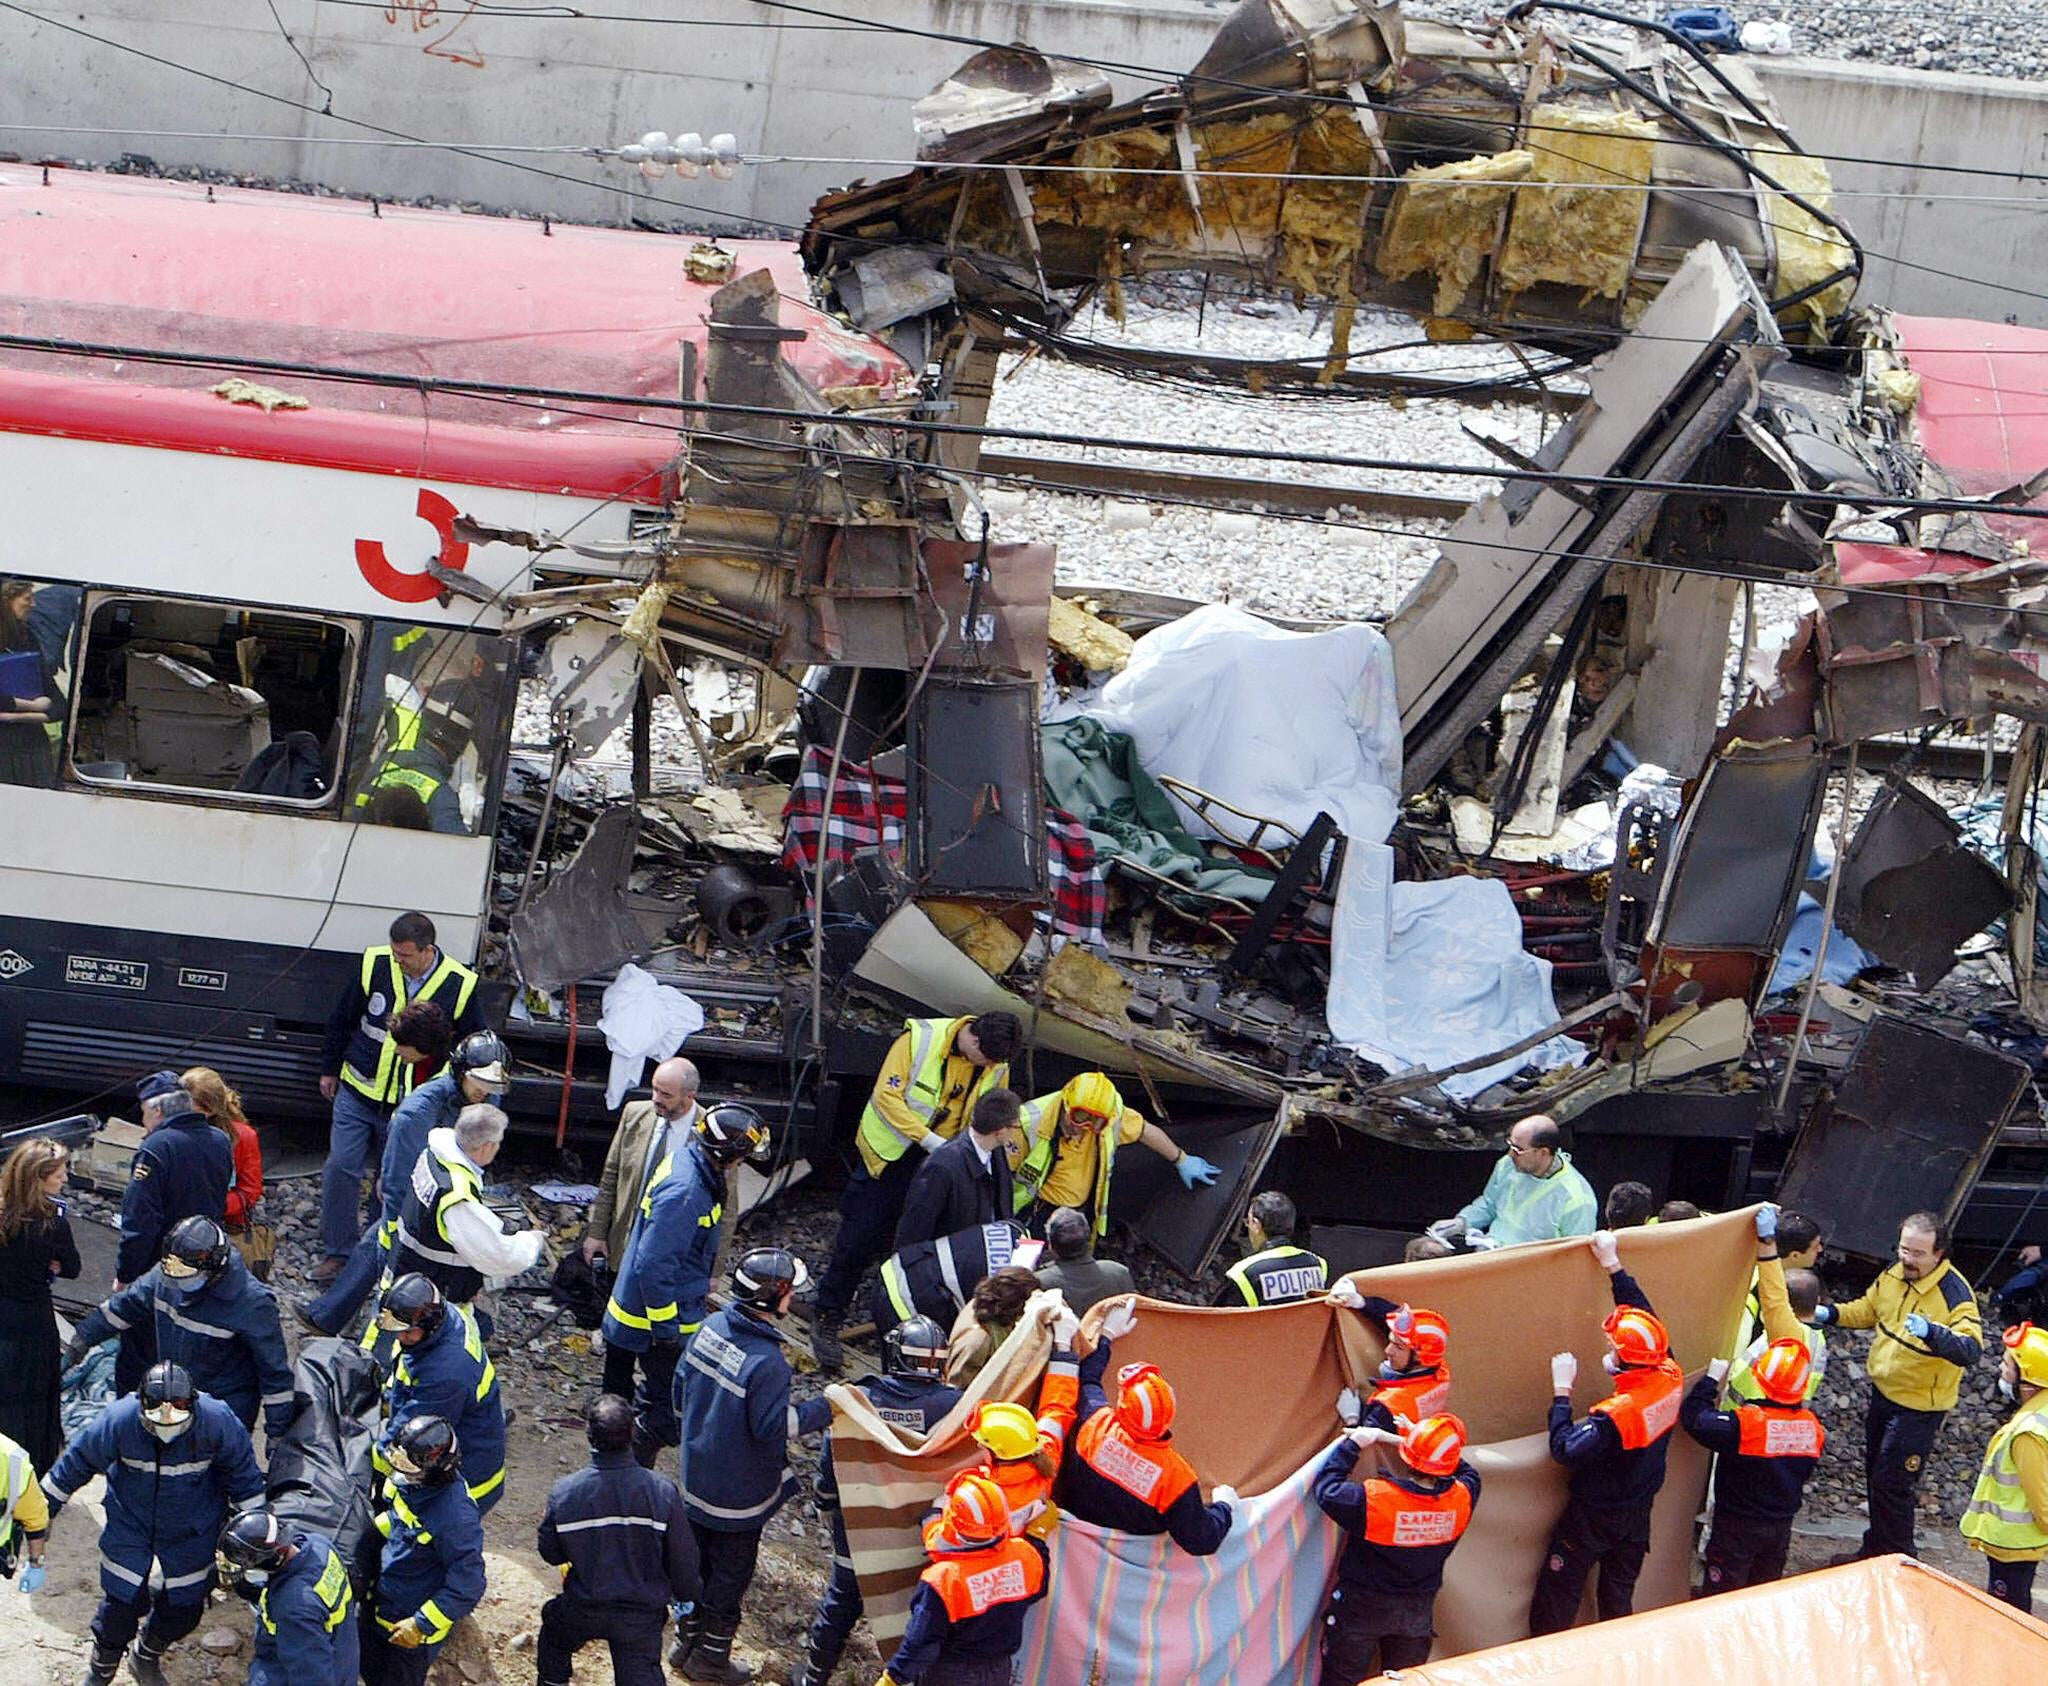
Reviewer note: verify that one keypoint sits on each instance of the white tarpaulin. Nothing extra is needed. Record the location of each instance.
(1290, 724)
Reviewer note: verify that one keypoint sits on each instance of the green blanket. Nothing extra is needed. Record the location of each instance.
(1094, 774)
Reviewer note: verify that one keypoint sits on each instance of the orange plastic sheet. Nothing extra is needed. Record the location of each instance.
(1888, 1622)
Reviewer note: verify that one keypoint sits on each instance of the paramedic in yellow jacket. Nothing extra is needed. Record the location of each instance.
(1073, 1135)
(935, 1073)
(2007, 1518)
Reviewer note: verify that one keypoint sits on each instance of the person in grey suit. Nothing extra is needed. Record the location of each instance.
(1082, 1278)
(647, 1132)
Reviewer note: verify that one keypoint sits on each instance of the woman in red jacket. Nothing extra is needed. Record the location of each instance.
(212, 1096)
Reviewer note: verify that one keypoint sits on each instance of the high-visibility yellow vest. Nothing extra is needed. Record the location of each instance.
(924, 1094)
(1037, 1164)
(16, 1473)
(451, 983)
(1998, 1518)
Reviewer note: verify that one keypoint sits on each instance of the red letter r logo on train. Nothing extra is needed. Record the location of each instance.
(396, 583)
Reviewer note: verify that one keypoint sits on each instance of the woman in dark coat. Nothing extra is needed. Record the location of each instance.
(26, 753)
(35, 1249)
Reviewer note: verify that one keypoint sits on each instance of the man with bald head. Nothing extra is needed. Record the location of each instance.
(1535, 1193)
(647, 1133)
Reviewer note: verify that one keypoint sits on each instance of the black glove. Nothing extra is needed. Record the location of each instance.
(74, 1354)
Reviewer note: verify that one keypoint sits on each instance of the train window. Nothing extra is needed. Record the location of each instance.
(431, 727)
(244, 704)
(38, 626)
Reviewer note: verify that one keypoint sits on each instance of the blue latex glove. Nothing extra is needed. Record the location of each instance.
(1823, 1314)
(1767, 1223)
(1195, 1171)
(1917, 1326)
(32, 1578)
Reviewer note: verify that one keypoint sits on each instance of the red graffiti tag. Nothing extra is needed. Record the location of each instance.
(423, 15)
(396, 583)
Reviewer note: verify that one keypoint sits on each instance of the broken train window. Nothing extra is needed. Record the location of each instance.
(240, 703)
(431, 728)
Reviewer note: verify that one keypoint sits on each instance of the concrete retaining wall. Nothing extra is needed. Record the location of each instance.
(809, 88)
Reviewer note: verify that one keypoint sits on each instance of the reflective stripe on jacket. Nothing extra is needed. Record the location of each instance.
(432, 1563)
(1278, 1276)
(733, 1384)
(420, 1241)
(919, 1087)
(1040, 1122)
(372, 1067)
(1998, 1519)
(1644, 1405)
(664, 1281)
(450, 1375)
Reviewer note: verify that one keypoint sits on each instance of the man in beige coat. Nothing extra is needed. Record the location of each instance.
(647, 1131)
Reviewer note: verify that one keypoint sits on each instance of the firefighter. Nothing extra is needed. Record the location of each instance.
(658, 1297)
(1414, 1376)
(183, 1169)
(1616, 1456)
(1766, 1452)
(443, 1229)
(440, 1369)
(360, 1068)
(305, 1615)
(1534, 1193)
(431, 1567)
(175, 1461)
(967, 1615)
(2007, 1516)
(1400, 1529)
(735, 1445)
(912, 1397)
(1928, 1332)
(208, 1315)
(1021, 1453)
(626, 1549)
(1274, 1271)
(1071, 1140)
(935, 1072)
(1124, 1472)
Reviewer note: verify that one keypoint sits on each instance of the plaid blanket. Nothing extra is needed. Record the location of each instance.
(871, 810)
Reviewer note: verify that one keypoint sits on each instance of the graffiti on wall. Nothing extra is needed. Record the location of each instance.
(441, 24)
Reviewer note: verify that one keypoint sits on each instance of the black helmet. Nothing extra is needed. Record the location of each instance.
(481, 1054)
(196, 1247)
(765, 1275)
(915, 1347)
(423, 1452)
(168, 1400)
(730, 1133)
(412, 1302)
(255, 1539)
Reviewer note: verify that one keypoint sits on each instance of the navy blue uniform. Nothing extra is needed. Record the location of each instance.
(183, 1169)
(940, 1649)
(913, 1403)
(306, 1621)
(1197, 1528)
(1758, 1486)
(225, 1333)
(733, 1398)
(659, 1296)
(450, 1375)
(621, 1531)
(166, 1503)
(431, 1571)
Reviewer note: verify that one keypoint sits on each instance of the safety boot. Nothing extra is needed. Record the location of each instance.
(689, 1629)
(712, 1659)
(825, 1347)
(812, 1672)
(102, 1666)
(646, 1448)
(146, 1665)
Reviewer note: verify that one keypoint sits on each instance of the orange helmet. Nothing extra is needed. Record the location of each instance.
(1144, 1401)
(973, 1516)
(1638, 1336)
(1434, 1445)
(1781, 1371)
(1427, 1334)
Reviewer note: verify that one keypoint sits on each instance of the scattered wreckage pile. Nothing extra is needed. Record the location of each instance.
(1503, 855)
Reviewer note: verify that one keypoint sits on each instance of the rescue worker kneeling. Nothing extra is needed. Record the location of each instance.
(1399, 1530)
(431, 1569)
(1767, 1452)
(1124, 1472)
(967, 1614)
(305, 1625)
(1616, 1456)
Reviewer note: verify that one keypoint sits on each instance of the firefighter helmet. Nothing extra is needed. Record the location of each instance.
(915, 1347)
(1427, 1334)
(765, 1275)
(973, 1516)
(167, 1399)
(1005, 1431)
(254, 1539)
(1781, 1371)
(424, 1452)
(1434, 1445)
(482, 1055)
(1144, 1401)
(412, 1302)
(1638, 1336)
(196, 1247)
(1093, 1094)
(731, 1133)
(2028, 1345)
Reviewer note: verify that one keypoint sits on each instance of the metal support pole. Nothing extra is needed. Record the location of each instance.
(1827, 924)
(818, 878)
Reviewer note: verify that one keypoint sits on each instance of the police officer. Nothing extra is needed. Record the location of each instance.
(2007, 1517)
(1414, 1376)
(733, 1396)
(305, 1607)
(207, 1314)
(431, 1568)
(934, 1074)
(936, 1279)
(627, 1550)
(967, 1615)
(912, 1397)
(360, 1068)
(1274, 1271)
(478, 1074)
(658, 1298)
(183, 1169)
(1124, 1473)
(441, 1370)
(1766, 1451)
(175, 1461)
(1616, 1456)
(443, 1229)
(1400, 1529)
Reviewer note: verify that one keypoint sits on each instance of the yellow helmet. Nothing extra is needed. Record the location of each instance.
(1005, 1430)
(1092, 1092)
(2029, 1348)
